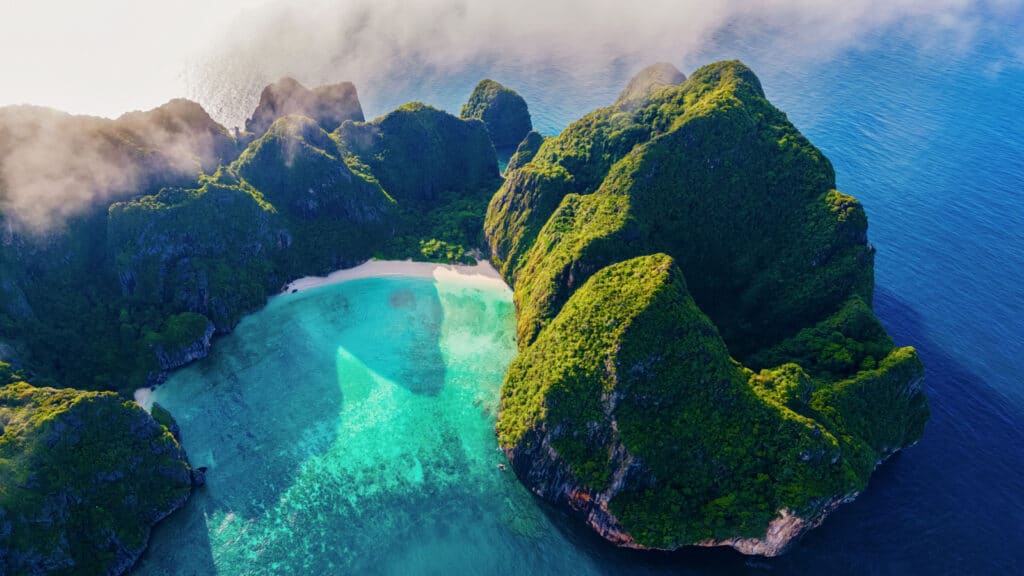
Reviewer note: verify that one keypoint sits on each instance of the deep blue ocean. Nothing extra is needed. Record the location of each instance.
(930, 138)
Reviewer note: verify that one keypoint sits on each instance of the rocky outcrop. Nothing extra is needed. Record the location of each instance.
(647, 81)
(120, 473)
(329, 106)
(538, 465)
(298, 168)
(422, 155)
(782, 532)
(502, 110)
(56, 166)
(177, 354)
(206, 250)
(525, 152)
(179, 129)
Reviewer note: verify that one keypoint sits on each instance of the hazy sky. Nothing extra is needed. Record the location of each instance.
(105, 57)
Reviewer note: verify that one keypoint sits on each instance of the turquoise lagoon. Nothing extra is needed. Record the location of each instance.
(349, 429)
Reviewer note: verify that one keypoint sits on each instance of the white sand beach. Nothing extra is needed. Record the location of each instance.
(481, 273)
(144, 397)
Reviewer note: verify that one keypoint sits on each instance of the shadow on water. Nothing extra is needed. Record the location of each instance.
(959, 491)
(414, 332)
(269, 399)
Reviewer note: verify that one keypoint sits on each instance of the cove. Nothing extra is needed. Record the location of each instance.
(349, 428)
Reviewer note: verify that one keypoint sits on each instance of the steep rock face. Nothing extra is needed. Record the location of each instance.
(181, 127)
(708, 172)
(83, 478)
(525, 152)
(419, 153)
(440, 170)
(207, 250)
(502, 110)
(12, 297)
(337, 216)
(624, 404)
(298, 168)
(329, 106)
(647, 81)
(58, 175)
(185, 338)
(296, 202)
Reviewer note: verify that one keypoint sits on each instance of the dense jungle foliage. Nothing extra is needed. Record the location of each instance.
(703, 179)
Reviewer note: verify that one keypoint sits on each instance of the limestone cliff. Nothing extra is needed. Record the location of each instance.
(737, 406)
(83, 478)
(502, 110)
(329, 106)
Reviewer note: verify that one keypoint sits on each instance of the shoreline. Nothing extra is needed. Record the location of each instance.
(481, 273)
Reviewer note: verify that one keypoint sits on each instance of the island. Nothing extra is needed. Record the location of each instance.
(699, 363)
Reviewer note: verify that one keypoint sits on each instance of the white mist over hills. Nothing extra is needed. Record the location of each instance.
(112, 56)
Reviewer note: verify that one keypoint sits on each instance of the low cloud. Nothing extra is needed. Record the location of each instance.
(54, 166)
(381, 44)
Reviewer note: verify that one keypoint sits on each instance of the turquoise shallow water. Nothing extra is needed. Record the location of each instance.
(349, 429)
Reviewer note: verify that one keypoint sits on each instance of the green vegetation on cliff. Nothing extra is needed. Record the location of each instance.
(708, 172)
(649, 80)
(698, 350)
(106, 302)
(441, 170)
(83, 477)
(525, 152)
(128, 291)
(626, 370)
(502, 110)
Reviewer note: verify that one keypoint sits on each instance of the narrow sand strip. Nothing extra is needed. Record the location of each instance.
(144, 398)
(482, 273)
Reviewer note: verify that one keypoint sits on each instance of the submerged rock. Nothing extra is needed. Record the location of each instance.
(198, 476)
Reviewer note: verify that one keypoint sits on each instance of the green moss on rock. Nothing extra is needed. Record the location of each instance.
(83, 478)
(525, 152)
(625, 403)
(502, 110)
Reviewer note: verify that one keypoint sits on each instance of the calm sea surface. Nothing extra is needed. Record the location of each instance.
(348, 429)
